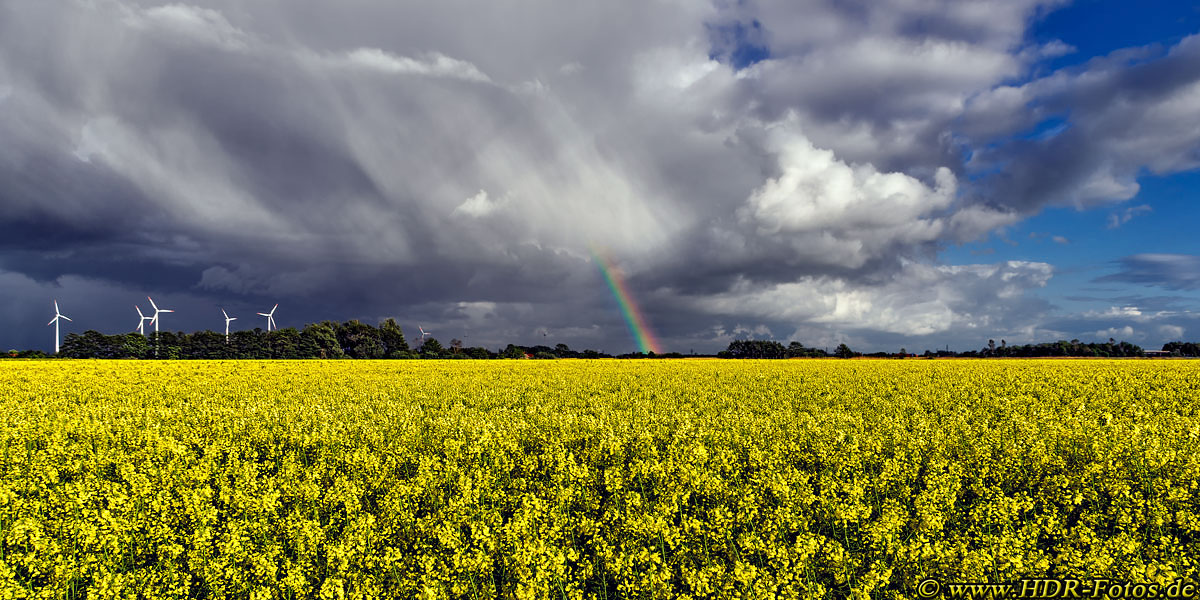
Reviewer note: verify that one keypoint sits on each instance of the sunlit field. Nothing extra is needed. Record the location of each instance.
(591, 479)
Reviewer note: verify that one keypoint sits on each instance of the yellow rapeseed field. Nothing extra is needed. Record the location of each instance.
(591, 479)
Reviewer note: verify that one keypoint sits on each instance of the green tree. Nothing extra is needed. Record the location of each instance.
(205, 344)
(843, 351)
(319, 340)
(284, 343)
(392, 338)
(135, 345)
(360, 340)
(75, 345)
(431, 348)
(248, 344)
(755, 349)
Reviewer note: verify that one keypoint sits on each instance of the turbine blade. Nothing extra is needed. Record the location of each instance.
(232, 318)
(264, 314)
(152, 302)
(66, 317)
(56, 307)
(53, 320)
(165, 310)
(225, 313)
(139, 309)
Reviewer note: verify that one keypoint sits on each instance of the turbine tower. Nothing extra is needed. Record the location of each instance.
(154, 320)
(141, 326)
(157, 310)
(227, 320)
(57, 315)
(270, 318)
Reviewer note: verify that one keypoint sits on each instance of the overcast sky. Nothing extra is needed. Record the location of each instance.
(885, 173)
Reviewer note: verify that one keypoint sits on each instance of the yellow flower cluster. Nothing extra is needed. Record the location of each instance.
(591, 479)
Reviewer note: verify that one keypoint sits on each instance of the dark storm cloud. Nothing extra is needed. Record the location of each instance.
(1169, 271)
(1119, 115)
(885, 85)
(751, 166)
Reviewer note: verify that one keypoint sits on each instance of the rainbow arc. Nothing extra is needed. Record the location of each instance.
(634, 318)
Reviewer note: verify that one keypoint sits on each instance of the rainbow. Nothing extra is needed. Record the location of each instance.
(629, 309)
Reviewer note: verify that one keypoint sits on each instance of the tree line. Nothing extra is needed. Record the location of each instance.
(773, 349)
(328, 339)
(1191, 349)
(1073, 348)
(355, 339)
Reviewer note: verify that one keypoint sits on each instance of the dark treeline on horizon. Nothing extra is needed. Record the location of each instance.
(1075, 348)
(328, 339)
(772, 349)
(355, 339)
(1111, 348)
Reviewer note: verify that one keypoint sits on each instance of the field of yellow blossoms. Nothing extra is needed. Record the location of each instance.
(591, 479)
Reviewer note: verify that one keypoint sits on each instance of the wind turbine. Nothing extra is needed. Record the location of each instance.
(270, 318)
(423, 333)
(154, 320)
(57, 315)
(141, 328)
(157, 310)
(227, 320)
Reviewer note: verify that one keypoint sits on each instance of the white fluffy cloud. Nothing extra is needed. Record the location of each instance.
(846, 214)
(1171, 332)
(433, 64)
(918, 300)
(1123, 333)
(478, 205)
